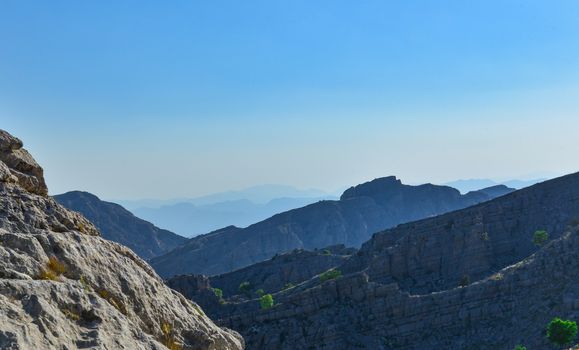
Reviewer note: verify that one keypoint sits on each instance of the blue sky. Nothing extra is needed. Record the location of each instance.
(133, 99)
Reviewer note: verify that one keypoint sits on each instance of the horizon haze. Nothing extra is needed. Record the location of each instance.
(147, 100)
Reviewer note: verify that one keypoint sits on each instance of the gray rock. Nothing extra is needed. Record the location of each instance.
(62, 286)
(22, 166)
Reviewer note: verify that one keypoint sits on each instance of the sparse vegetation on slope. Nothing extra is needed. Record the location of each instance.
(266, 301)
(53, 270)
(540, 237)
(330, 275)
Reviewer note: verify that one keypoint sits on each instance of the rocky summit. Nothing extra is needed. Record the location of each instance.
(119, 225)
(361, 211)
(475, 278)
(62, 286)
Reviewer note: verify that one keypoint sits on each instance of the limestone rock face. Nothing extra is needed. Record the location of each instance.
(361, 211)
(23, 167)
(62, 286)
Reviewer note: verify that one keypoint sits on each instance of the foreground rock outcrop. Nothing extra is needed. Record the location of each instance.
(62, 286)
(469, 279)
(119, 225)
(361, 211)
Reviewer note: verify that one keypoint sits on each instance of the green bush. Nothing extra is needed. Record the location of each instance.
(561, 332)
(540, 237)
(330, 275)
(288, 286)
(245, 287)
(520, 347)
(218, 292)
(326, 252)
(266, 301)
(260, 292)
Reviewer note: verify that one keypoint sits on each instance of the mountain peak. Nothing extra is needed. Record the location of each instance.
(18, 166)
(371, 188)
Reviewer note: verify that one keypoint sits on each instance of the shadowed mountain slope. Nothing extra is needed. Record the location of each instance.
(361, 211)
(469, 279)
(119, 225)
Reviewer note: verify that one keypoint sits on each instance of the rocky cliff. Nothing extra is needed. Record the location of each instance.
(469, 279)
(62, 286)
(361, 211)
(281, 272)
(119, 225)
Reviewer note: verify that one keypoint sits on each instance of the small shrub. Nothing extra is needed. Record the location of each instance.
(266, 301)
(464, 281)
(497, 276)
(326, 252)
(218, 292)
(245, 287)
(260, 292)
(484, 236)
(520, 347)
(540, 237)
(330, 275)
(288, 286)
(561, 332)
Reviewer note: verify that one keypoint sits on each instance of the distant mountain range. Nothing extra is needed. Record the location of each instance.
(261, 194)
(191, 220)
(119, 225)
(468, 185)
(361, 211)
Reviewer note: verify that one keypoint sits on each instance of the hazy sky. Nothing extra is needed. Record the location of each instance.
(133, 99)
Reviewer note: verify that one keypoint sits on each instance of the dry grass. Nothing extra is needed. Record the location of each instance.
(116, 303)
(53, 270)
(71, 314)
(84, 284)
(168, 337)
(198, 309)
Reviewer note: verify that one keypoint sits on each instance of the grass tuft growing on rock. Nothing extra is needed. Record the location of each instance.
(169, 337)
(71, 314)
(116, 303)
(53, 270)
